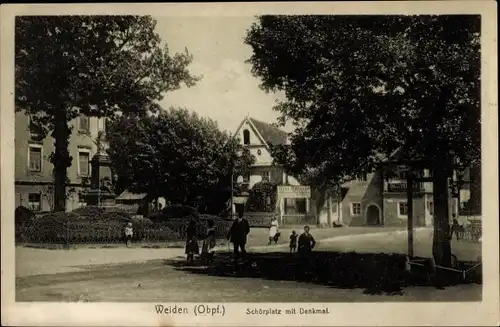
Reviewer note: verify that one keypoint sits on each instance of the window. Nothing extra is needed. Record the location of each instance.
(84, 125)
(104, 125)
(35, 158)
(246, 137)
(81, 200)
(34, 129)
(403, 209)
(83, 162)
(430, 207)
(34, 202)
(266, 176)
(356, 209)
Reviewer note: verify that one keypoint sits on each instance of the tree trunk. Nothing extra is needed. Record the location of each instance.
(441, 247)
(61, 160)
(475, 190)
(319, 203)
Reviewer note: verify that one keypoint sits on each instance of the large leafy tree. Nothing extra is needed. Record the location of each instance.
(360, 87)
(177, 155)
(66, 66)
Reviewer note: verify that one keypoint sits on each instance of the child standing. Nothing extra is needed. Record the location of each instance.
(129, 233)
(208, 248)
(192, 246)
(293, 242)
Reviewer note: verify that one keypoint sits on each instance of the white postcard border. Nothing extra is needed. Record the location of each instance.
(349, 314)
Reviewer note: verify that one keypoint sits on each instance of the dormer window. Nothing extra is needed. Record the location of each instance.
(246, 137)
(84, 124)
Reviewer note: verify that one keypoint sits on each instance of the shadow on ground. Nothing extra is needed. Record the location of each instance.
(374, 273)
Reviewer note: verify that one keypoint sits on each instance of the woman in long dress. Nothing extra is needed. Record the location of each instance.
(273, 231)
(208, 248)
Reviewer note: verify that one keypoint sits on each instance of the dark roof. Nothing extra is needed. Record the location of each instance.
(128, 196)
(271, 134)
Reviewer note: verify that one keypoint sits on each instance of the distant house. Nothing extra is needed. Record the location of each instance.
(379, 198)
(258, 137)
(132, 202)
(34, 179)
(372, 199)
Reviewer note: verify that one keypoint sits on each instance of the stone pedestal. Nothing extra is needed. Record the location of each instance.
(100, 192)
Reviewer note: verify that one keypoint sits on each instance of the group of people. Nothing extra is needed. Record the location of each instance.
(208, 246)
(237, 235)
(302, 244)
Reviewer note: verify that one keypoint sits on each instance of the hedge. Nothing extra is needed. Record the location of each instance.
(94, 225)
(23, 215)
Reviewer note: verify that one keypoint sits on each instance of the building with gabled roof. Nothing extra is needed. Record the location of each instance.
(373, 198)
(258, 137)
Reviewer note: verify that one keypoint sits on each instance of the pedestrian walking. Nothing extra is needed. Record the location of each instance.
(192, 246)
(274, 231)
(238, 235)
(305, 246)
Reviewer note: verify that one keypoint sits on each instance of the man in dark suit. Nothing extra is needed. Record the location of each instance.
(238, 234)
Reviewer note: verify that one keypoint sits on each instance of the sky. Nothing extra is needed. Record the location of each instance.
(227, 92)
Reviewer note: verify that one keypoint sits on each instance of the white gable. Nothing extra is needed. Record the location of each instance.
(247, 133)
(248, 130)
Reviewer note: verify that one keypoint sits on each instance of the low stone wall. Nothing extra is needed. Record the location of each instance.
(263, 219)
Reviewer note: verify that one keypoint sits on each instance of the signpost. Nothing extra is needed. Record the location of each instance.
(294, 191)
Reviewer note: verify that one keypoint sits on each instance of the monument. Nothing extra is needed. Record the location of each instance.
(101, 191)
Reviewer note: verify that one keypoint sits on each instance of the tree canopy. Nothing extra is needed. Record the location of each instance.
(177, 155)
(66, 66)
(358, 88)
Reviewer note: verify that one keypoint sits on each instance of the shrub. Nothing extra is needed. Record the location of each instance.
(259, 196)
(22, 216)
(97, 225)
(94, 213)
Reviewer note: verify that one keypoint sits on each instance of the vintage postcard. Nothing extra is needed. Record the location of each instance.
(250, 164)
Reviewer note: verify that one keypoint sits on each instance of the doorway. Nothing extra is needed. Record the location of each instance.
(373, 215)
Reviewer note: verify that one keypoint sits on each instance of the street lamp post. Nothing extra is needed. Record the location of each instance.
(238, 155)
